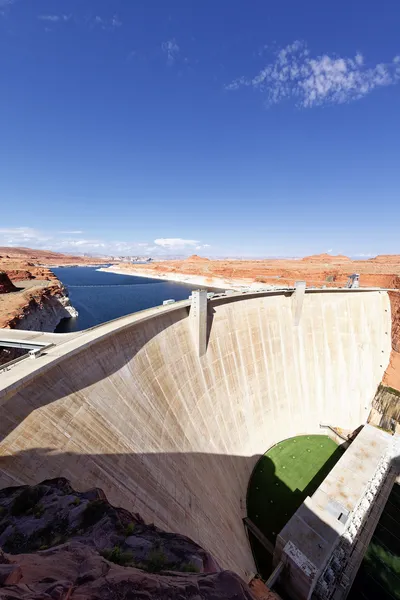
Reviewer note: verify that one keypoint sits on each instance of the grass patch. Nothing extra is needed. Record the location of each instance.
(285, 476)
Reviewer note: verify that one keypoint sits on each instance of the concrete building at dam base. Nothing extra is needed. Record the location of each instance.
(171, 410)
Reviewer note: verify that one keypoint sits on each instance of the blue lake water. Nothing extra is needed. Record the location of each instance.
(99, 296)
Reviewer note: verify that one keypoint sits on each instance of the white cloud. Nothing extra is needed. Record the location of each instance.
(115, 22)
(66, 241)
(4, 3)
(54, 18)
(18, 235)
(112, 23)
(174, 243)
(91, 243)
(171, 49)
(320, 80)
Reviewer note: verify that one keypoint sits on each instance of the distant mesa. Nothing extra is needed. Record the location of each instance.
(326, 258)
(386, 258)
(196, 258)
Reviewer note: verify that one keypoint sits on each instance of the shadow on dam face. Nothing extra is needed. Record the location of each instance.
(192, 493)
(133, 410)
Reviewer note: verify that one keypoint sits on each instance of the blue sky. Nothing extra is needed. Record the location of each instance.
(225, 128)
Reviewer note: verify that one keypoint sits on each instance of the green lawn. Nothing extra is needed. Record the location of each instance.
(285, 476)
(379, 573)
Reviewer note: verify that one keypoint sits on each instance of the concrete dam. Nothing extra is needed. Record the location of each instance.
(132, 407)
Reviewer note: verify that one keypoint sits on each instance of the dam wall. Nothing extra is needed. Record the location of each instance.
(130, 407)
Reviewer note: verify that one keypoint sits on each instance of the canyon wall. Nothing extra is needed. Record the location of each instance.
(392, 375)
(131, 408)
(38, 310)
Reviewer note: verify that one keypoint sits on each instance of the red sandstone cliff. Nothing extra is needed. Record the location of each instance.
(37, 302)
(196, 258)
(326, 258)
(46, 257)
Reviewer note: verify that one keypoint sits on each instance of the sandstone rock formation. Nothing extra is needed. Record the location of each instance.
(326, 270)
(326, 258)
(46, 257)
(36, 309)
(392, 375)
(37, 302)
(6, 286)
(64, 545)
(196, 258)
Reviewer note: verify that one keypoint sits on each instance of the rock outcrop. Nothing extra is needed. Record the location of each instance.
(59, 544)
(39, 301)
(385, 412)
(196, 258)
(6, 285)
(327, 270)
(43, 311)
(326, 258)
(47, 257)
(39, 308)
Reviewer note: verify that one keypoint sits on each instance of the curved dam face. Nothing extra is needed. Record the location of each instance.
(131, 408)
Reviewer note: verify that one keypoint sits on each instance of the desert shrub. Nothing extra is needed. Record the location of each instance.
(156, 561)
(26, 500)
(38, 510)
(129, 529)
(15, 543)
(94, 511)
(116, 555)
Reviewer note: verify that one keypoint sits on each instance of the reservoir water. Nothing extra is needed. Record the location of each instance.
(100, 296)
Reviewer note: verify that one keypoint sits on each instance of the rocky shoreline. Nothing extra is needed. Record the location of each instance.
(43, 311)
(204, 281)
(32, 298)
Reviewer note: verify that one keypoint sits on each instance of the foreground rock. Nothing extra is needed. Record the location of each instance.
(64, 545)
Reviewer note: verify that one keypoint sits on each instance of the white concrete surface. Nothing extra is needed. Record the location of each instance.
(130, 407)
(318, 524)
